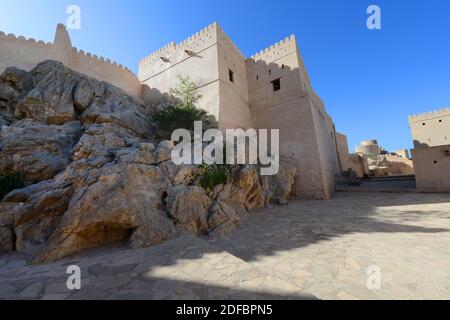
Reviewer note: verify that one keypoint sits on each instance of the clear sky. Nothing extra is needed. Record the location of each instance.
(370, 80)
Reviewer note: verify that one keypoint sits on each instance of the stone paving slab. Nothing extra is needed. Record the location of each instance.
(307, 249)
(183, 268)
(327, 247)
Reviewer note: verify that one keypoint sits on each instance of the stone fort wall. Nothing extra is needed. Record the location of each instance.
(26, 53)
(431, 129)
(306, 131)
(207, 57)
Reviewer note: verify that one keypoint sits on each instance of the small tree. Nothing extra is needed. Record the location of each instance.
(186, 92)
(183, 113)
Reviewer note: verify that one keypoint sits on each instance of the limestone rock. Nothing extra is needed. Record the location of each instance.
(180, 174)
(94, 175)
(51, 100)
(115, 106)
(6, 240)
(244, 193)
(188, 206)
(222, 218)
(36, 150)
(280, 185)
(124, 203)
(101, 139)
(20, 80)
(14, 84)
(164, 151)
(7, 214)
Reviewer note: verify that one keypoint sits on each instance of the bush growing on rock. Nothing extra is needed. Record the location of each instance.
(183, 112)
(214, 176)
(10, 182)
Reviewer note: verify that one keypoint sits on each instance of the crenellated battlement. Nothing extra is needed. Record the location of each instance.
(173, 53)
(226, 41)
(26, 53)
(22, 39)
(277, 50)
(95, 58)
(430, 115)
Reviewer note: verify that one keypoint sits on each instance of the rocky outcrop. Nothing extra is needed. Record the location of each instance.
(188, 206)
(37, 150)
(94, 174)
(125, 202)
(14, 85)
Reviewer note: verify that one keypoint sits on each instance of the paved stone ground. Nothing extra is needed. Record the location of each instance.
(326, 248)
(307, 249)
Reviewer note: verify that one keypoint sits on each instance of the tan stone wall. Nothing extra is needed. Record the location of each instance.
(234, 101)
(326, 140)
(432, 168)
(160, 70)
(206, 59)
(369, 147)
(358, 163)
(431, 129)
(305, 129)
(343, 151)
(404, 153)
(26, 53)
(393, 165)
(211, 54)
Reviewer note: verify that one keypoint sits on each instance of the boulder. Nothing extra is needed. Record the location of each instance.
(36, 150)
(51, 100)
(116, 106)
(244, 193)
(222, 219)
(6, 240)
(279, 187)
(163, 151)
(100, 140)
(180, 174)
(20, 80)
(188, 206)
(14, 85)
(125, 203)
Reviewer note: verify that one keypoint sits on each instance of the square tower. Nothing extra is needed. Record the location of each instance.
(281, 97)
(211, 60)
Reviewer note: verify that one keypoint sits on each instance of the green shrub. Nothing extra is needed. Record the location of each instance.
(9, 183)
(178, 117)
(183, 113)
(214, 176)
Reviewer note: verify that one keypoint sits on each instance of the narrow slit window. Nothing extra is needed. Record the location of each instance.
(276, 84)
(231, 75)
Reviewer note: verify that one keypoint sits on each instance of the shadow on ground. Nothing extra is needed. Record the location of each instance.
(221, 268)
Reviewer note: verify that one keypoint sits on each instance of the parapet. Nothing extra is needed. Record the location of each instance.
(277, 50)
(444, 112)
(226, 41)
(173, 53)
(20, 39)
(369, 143)
(26, 53)
(100, 60)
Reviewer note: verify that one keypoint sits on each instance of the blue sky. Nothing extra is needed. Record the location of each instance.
(370, 80)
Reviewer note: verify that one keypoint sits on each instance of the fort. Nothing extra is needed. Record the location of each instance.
(26, 53)
(269, 90)
(431, 153)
